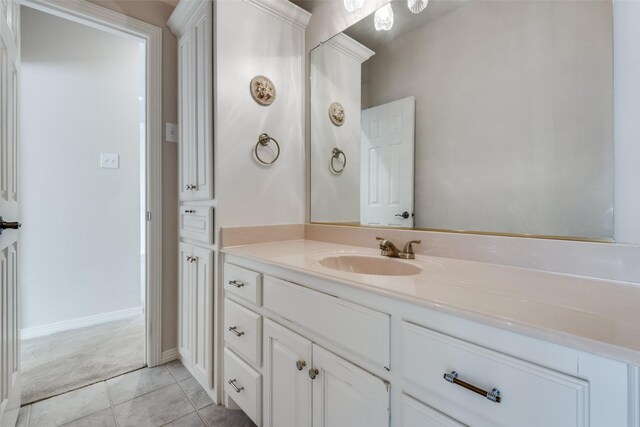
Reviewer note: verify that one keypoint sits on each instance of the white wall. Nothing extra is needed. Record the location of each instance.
(513, 116)
(250, 42)
(335, 77)
(81, 234)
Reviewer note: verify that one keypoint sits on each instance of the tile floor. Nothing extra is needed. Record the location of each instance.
(166, 395)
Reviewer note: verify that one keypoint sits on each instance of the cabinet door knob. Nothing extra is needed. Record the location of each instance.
(235, 330)
(300, 364)
(313, 373)
(235, 387)
(236, 283)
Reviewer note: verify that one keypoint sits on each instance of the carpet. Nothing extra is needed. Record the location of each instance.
(68, 360)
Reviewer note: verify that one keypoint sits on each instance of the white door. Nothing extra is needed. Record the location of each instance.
(202, 313)
(196, 98)
(345, 395)
(387, 159)
(287, 385)
(185, 298)
(9, 249)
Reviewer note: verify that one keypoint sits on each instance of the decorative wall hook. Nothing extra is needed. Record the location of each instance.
(263, 90)
(335, 154)
(264, 140)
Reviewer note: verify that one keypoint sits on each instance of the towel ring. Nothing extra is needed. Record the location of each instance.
(264, 140)
(335, 154)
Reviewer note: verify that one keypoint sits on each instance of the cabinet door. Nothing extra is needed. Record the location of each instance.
(185, 296)
(287, 385)
(202, 166)
(186, 107)
(345, 395)
(202, 313)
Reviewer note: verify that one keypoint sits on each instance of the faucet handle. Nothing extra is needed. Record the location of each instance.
(407, 252)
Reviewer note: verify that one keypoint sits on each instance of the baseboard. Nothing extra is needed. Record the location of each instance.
(38, 331)
(169, 356)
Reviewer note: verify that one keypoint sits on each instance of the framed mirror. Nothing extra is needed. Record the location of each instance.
(469, 116)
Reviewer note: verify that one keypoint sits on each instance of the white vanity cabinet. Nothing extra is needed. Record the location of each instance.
(337, 355)
(195, 58)
(305, 385)
(195, 310)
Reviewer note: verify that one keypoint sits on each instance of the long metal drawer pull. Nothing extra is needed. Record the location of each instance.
(493, 395)
(236, 388)
(236, 283)
(235, 330)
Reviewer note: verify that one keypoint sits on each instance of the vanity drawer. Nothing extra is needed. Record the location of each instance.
(530, 394)
(196, 223)
(359, 330)
(244, 283)
(243, 331)
(417, 414)
(243, 385)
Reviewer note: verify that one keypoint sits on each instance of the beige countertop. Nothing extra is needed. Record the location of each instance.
(597, 316)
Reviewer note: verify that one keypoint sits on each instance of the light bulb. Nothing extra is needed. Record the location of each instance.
(417, 6)
(383, 19)
(352, 5)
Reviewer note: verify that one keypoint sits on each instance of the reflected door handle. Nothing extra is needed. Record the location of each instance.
(7, 225)
(404, 215)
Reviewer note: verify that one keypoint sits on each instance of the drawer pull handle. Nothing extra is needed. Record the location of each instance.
(493, 395)
(232, 383)
(236, 283)
(235, 330)
(313, 373)
(189, 211)
(300, 364)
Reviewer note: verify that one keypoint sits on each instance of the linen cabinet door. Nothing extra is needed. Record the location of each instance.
(202, 314)
(287, 385)
(185, 298)
(202, 165)
(345, 395)
(186, 114)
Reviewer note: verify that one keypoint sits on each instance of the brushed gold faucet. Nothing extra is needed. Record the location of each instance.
(390, 250)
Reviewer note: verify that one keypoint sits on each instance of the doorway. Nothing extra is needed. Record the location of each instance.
(89, 163)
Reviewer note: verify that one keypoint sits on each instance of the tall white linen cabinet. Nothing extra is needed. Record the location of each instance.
(222, 45)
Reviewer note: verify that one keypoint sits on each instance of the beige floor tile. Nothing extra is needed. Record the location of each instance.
(191, 420)
(154, 409)
(178, 370)
(23, 416)
(196, 394)
(69, 406)
(137, 383)
(219, 416)
(103, 418)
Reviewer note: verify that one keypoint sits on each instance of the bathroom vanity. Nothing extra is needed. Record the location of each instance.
(310, 340)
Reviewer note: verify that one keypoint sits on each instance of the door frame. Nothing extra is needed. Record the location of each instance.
(98, 17)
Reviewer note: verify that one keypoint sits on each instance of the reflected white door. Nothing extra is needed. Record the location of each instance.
(387, 159)
(9, 323)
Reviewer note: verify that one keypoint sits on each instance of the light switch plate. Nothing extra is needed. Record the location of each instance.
(171, 132)
(109, 161)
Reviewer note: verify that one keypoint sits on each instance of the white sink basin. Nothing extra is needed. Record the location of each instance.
(379, 265)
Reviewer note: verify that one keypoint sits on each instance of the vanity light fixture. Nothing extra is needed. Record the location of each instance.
(352, 5)
(383, 19)
(417, 6)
